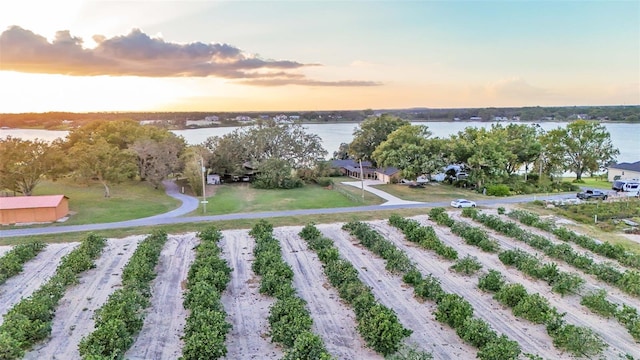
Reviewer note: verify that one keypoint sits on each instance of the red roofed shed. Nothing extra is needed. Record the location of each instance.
(28, 209)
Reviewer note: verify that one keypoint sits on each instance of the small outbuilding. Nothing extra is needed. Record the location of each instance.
(33, 209)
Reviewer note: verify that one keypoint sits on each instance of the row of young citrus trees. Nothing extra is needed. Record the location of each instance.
(452, 309)
(206, 325)
(11, 263)
(579, 341)
(121, 317)
(628, 281)
(289, 319)
(29, 321)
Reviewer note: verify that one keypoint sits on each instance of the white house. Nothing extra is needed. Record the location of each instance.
(624, 171)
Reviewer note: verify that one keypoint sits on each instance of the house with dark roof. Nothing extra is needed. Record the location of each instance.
(624, 171)
(33, 209)
(352, 168)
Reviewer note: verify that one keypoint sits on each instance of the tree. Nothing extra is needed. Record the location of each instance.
(524, 145)
(269, 145)
(157, 149)
(23, 163)
(371, 133)
(485, 153)
(157, 159)
(342, 153)
(582, 146)
(193, 158)
(276, 174)
(410, 149)
(102, 161)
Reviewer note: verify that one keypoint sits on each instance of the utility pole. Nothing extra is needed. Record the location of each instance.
(362, 180)
(204, 196)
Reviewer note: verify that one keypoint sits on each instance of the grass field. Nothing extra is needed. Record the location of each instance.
(593, 182)
(129, 200)
(242, 198)
(430, 192)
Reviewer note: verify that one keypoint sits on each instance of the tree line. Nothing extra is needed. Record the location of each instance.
(282, 155)
(490, 155)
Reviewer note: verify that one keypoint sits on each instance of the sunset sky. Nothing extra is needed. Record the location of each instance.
(150, 55)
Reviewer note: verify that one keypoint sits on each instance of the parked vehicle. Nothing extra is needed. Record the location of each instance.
(632, 186)
(592, 194)
(462, 203)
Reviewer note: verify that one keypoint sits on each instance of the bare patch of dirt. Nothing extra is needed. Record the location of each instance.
(164, 324)
(247, 309)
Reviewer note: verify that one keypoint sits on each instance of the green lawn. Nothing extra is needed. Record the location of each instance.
(432, 192)
(593, 182)
(129, 200)
(242, 198)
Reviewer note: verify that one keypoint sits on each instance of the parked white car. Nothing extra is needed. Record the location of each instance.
(462, 203)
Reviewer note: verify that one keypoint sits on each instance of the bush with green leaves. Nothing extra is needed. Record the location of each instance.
(424, 236)
(492, 281)
(498, 190)
(12, 262)
(307, 346)
(468, 265)
(123, 313)
(598, 303)
(396, 260)
(29, 321)
(453, 310)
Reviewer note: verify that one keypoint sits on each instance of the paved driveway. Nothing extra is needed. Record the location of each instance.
(190, 203)
(390, 199)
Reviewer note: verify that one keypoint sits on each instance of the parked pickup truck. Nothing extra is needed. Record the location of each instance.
(592, 194)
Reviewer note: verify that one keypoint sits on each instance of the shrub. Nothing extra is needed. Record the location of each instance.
(501, 210)
(453, 310)
(498, 190)
(476, 332)
(511, 294)
(468, 265)
(492, 281)
(597, 302)
(500, 349)
(382, 330)
(533, 308)
(307, 346)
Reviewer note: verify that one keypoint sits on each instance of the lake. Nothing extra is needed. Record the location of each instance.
(625, 136)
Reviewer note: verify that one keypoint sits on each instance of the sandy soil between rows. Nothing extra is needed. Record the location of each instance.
(428, 334)
(333, 320)
(34, 273)
(74, 316)
(247, 309)
(164, 323)
(5, 249)
(614, 334)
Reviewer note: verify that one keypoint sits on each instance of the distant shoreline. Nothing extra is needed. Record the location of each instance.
(348, 122)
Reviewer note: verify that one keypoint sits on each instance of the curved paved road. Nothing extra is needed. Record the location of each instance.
(190, 204)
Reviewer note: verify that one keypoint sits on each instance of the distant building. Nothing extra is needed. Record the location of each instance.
(208, 121)
(33, 209)
(625, 171)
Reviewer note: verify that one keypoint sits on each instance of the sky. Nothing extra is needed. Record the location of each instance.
(204, 55)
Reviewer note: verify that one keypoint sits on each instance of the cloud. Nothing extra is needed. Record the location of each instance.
(310, 82)
(138, 54)
(514, 87)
